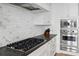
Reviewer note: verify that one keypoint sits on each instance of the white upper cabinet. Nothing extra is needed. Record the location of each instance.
(78, 9)
(61, 10)
(73, 9)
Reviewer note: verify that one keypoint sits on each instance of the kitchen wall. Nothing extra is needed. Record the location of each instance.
(17, 24)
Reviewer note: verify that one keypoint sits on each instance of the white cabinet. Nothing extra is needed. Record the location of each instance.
(53, 46)
(73, 9)
(47, 49)
(64, 10)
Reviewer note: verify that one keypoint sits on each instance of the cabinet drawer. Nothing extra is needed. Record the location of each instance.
(47, 49)
(41, 51)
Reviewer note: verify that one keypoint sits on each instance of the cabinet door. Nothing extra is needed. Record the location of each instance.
(42, 51)
(47, 49)
(52, 47)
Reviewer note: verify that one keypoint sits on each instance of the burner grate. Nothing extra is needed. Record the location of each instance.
(26, 44)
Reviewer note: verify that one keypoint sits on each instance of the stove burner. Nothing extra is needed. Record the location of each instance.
(26, 44)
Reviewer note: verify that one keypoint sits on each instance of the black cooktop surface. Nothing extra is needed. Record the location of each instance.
(26, 44)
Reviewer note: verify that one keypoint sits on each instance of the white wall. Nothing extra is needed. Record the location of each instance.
(16, 24)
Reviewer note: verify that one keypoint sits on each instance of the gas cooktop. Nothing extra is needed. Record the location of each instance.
(26, 44)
